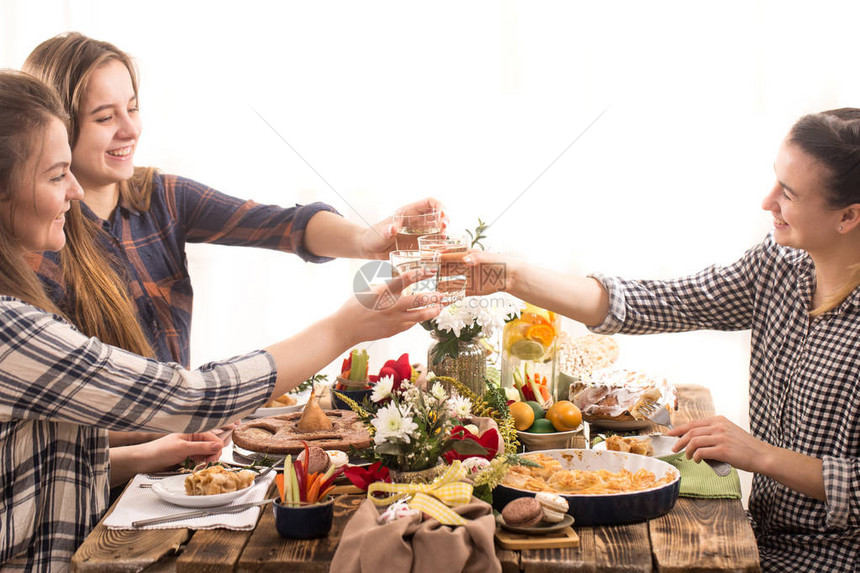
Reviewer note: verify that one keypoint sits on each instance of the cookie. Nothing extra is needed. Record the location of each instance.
(522, 512)
(554, 507)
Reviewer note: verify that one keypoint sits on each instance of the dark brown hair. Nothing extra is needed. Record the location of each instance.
(833, 138)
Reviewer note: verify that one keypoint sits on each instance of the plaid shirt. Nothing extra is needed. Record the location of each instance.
(804, 384)
(150, 250)
(59, 393)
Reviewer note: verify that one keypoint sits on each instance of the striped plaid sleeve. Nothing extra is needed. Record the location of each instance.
(50, 371)
(718, 298)
(50, 273)
(209, 216)
(842, 490)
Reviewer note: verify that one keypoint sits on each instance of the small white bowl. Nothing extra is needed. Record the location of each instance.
(549, 441)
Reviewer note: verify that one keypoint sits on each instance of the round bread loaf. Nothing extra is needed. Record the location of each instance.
(522, 512)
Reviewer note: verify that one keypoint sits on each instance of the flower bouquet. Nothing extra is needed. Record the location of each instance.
(413, 429)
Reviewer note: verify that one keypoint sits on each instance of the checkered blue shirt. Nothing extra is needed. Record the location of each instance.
(59, 394)
(150, 251)
(804, 388)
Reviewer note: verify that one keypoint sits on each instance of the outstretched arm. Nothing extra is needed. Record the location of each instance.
(329, 235)
(580, 298)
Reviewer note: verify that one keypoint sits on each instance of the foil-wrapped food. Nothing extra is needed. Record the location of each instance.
(617, 394)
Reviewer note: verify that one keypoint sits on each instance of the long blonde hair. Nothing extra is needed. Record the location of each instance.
(66, 62)
(101, 306)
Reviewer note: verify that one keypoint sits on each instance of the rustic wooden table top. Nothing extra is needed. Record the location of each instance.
(696, 535)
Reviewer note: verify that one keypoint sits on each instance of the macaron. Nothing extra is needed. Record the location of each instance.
(338, 458)
(554, 507)
(522, 512)
(318, 460)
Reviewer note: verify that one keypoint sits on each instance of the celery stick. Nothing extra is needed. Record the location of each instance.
(288, 486)
(294, 480)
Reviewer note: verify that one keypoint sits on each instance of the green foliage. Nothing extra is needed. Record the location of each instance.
(309, 383)
(478, 235)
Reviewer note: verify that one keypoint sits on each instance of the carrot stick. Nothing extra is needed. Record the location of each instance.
(279, 481)
(314, 488)
(325, 492)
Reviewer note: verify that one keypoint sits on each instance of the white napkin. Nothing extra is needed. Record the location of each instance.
(139, 503)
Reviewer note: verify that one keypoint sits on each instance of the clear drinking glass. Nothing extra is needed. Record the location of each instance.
(403, 261)
(453, 272)
(410, 226)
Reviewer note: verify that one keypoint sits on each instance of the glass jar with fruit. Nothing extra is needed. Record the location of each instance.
(529, 361)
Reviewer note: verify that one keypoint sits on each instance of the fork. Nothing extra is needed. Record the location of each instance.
(659, 414)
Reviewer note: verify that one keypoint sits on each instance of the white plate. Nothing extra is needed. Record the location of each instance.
(662, 445)
(172, 490)
(235, 456)
(301, 400)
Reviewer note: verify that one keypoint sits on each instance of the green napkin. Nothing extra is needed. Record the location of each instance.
(699, 480)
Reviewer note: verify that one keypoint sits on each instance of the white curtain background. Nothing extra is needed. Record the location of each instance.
(479, 104)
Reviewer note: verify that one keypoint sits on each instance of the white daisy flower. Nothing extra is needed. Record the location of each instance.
(382, 389)
(392, 422)
(459, 406)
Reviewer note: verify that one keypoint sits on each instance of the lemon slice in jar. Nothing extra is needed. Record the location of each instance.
(527, 350)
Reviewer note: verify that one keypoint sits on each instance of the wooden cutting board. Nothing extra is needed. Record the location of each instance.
(566, 537)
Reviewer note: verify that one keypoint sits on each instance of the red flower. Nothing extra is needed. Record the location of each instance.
(363, 477)
(399, 370)
(489, 440)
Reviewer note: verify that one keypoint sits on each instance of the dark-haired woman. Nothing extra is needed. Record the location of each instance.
(799, 293)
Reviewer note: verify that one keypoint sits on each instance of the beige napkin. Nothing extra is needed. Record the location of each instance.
(427, 546)
(139, 503)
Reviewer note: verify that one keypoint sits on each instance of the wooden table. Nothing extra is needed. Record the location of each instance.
(697, 535)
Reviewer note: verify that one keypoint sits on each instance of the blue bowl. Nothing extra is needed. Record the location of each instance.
(305, 521)
(607, 509)
(357, 395)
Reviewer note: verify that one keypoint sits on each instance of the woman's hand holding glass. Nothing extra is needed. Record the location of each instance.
(378, 241)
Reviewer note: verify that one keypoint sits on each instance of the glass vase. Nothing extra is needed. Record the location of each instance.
(424, 476)
(469, 367)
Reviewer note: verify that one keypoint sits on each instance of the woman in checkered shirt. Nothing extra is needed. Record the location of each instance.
(60, 391)
(798, 293)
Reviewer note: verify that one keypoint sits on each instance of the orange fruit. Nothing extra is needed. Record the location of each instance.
(542, 333)
(523, 415)
(564, 415)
